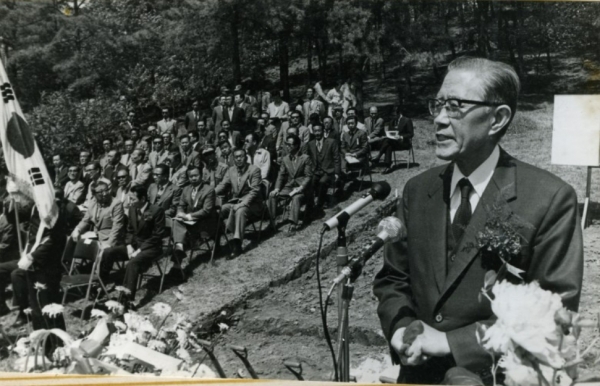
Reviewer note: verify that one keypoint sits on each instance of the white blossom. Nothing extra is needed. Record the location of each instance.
(52, 309)
(525, 319)
(39, 286)
(114, 307)
(223, 327)
(122, 289)
(27, 311)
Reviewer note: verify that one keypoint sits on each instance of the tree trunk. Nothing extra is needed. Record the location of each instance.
(548, 60)
(518, 32)
(284, 77)
(309, 68)
(341, 63)
(235, 49)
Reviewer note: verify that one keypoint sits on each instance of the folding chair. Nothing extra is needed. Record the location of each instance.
(84, 252)
(164, 258)
(365, 168)
(411, 152)
(265, 187)
(286, 202)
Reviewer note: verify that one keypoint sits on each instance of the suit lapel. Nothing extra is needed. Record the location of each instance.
(436, 212)
(502, 186)
(243, 179)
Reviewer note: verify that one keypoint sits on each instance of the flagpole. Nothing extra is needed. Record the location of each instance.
(16, 209)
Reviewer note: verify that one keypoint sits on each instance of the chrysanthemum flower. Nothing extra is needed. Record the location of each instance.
(114, 307)
(161, 309)
(39, 286)
(223, 327)
(122, 289)
(52, 309)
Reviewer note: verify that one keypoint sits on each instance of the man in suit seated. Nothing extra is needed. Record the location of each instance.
(94, 173)
(159, 154)
(129, 148)
(105, 217)
(205, 137)
(374, 126)
(195, 212)
(435, 274)
(74, 189)
(403, 140)
(312, 106)
(189, 156)
(214, 170)
(143, 244)
(324, 154)
(60, 171)
(258, 157)
(140, 171)
(225, 154)
(355, 145)
(163, 192)
(295, 175)
(168, 144)
(177, 170)
(242, 183)
(123, 186)
(112, 167)
(329, 131)
(233, 136)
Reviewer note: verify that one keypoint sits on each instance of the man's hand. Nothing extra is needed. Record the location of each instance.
(75, 234)
(430, 343)
(25, 261)
(295, 191)
(337, 177)
(238, 206)
(130, 251)
(274, 193)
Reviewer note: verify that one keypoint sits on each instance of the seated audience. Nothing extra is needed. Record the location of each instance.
(163, 192)
(324, 154)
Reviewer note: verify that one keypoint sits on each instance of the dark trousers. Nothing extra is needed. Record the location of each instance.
(182, 233)
(296, 204)
(5, 272)
(42, 297)
(321, 183)
(135, 266)
(390, 145)
(18, 277)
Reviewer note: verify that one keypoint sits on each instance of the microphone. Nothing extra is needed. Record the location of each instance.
(379, 191)
(390, 229)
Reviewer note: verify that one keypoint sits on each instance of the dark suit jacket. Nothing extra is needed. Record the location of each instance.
(110, 173)
(147, 231)
(61, 178)
(295, 174)
(201, 208)
(327, 161)
(168, 200)
(191, 121)
(217, 117)
(236, 137)
(413, 283)
(205, 141)
(405, 128)
(192, 158)
(238, 119)
(374, 129)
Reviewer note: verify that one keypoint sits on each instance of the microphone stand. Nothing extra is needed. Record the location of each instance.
(344, 297)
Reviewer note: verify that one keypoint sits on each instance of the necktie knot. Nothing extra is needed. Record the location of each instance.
(465, 188)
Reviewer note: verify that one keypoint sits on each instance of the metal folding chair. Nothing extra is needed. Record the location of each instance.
(411, 152)
(85, 251)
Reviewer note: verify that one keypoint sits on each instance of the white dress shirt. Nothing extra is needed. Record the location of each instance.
(480, 178)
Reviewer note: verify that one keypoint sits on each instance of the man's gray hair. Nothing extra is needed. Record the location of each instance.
(500, 80)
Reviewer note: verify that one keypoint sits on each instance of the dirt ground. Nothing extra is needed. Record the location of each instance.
(269, 294)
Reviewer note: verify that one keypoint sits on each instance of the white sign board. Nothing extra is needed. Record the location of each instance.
(576, 130)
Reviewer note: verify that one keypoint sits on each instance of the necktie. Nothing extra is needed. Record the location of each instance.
(319, 146)
(463, 214)
(194, 192)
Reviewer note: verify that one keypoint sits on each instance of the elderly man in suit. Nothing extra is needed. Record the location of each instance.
(374, 126)
(195, 211)
(105, 217)
(60, 171)
(312, 106)
(143, 244)
(432, 276)
(295, 175)
(329, 131)
(74, 189)
(403, 141)
(140, 171)
(324, 154)
(163, 192)
(242, 182)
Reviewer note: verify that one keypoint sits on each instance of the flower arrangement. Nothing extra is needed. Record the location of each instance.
(535, 338)
(121, 342)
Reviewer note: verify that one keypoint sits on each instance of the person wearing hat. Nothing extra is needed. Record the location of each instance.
(214, 170)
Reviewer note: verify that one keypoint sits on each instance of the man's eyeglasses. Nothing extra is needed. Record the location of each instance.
(102, 192)
(157, 142)
(121, 177)
(453, 106)
(289, 144)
